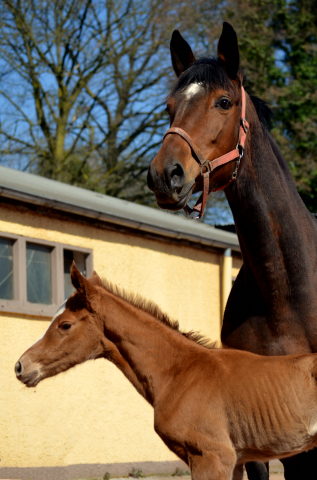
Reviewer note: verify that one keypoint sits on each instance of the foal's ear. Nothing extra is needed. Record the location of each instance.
(83, 286)
(95, 279)
(228, 50)
(181, 53)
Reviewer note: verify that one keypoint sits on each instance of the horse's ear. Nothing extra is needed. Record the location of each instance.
(228, 50)
(95, 279)
(83, 286)
(181, 53)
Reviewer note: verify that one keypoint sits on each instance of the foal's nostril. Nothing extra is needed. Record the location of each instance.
(18, 368)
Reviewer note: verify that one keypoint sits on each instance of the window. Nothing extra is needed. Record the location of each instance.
(39, 273)
(35, 274)
(6, 269)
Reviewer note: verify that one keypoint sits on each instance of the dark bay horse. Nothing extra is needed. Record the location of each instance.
(214, 408)
(272, 308)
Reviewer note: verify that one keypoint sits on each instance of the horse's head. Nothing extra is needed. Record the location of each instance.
(204, 108)
(74, 335)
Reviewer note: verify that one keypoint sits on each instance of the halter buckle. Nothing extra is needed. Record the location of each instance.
(245, 125)
(235, 172)
(241, 150)
(207, 165)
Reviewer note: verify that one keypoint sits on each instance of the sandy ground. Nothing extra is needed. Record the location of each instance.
(276, 473)
(273, 476)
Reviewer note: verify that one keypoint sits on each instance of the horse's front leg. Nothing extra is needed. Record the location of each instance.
(217, 464)
(301, 467)
(257, 470)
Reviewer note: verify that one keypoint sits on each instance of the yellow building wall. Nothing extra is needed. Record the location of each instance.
(91, 414)
(236, 265)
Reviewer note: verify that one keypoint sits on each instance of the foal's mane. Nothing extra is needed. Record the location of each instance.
(211, 73)
(154, 310)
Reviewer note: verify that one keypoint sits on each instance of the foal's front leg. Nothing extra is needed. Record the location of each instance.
(238, 473)
(213, 465)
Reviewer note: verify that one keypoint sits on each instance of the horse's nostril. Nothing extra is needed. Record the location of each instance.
(177, 176)
(18, 368)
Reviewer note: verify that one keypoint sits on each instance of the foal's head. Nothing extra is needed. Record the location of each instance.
(74, 335)
(206, 104)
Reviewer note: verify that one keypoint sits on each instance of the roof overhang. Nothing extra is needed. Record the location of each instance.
(32, 189)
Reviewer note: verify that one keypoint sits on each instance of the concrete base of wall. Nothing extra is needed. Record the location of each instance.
(73, 472)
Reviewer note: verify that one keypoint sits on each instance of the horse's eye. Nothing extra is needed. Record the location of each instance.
(65, 326)
(167, 110)
(224, 103)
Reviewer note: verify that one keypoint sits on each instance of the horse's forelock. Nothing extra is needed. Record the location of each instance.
(208, 72)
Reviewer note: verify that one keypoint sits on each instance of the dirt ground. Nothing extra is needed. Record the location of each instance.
(273, 476)
(276, 473)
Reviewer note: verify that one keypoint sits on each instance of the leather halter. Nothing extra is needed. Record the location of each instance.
(207, 166)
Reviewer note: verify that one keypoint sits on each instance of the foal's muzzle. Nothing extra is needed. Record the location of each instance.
(29, 376)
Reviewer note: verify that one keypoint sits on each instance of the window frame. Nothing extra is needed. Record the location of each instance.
(20, 303)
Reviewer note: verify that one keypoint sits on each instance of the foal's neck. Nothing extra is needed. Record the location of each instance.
(146, 351)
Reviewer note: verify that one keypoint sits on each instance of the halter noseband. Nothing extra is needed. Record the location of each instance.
(207, 166)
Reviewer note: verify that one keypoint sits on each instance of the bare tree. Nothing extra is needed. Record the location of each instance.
(82, 88)
(83, 85)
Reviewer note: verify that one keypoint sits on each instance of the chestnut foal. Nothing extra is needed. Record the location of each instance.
(214, 408)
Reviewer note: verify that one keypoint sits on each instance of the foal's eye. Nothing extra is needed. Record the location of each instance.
(224, 103)
(167, 110)
(65, 326)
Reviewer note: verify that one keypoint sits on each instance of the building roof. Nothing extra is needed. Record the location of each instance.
(37, 190)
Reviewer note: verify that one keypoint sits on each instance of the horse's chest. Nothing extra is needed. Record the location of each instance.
(265, 336)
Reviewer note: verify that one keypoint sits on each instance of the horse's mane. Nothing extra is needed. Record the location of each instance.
(210, 73)
(154, 310)
(264, 112)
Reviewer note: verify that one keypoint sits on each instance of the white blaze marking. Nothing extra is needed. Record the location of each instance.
(60, 310)
(192, 90)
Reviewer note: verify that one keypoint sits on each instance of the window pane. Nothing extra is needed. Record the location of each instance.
(6, 269)
(39, 273)
(80, 260)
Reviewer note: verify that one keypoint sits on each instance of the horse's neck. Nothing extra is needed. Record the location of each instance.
(146, 350)
(277, 234)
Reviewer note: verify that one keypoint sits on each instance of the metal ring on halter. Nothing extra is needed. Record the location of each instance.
(206, 165)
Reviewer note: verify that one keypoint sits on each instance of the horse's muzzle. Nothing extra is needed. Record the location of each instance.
(170, 187)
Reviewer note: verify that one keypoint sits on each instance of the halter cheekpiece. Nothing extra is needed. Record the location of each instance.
(207, 166)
